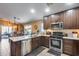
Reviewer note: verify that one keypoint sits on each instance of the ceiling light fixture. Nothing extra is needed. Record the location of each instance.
(32, 10)
(47, 10)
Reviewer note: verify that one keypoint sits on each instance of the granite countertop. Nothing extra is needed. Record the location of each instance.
(20, 38)
(71, 38)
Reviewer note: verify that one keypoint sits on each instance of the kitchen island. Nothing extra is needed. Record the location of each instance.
(23, 45)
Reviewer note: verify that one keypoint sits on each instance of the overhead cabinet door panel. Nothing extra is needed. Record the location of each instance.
(78, 18)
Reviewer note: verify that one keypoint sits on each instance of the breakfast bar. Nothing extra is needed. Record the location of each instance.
(23, 45)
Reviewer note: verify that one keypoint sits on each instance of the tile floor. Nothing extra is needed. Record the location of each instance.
(4, 47)
(42, 51)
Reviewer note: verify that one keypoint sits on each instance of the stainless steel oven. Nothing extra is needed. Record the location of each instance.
(56, 43)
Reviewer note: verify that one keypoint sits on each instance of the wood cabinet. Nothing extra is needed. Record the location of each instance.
(55, 18)
(45, 41)
(68, 46)
(19, 48)
(71, 47)
(70, 18)
(35, 43)
(77, 17)
(50, 19)
(47, 22)
(67, 20)
(39, 41)
(15, 48)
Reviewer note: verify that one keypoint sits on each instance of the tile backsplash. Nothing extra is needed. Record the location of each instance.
(66, 31)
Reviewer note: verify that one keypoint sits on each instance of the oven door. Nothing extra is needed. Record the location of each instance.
(56, 43)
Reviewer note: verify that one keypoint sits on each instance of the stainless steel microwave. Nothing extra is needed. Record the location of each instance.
(57, 25)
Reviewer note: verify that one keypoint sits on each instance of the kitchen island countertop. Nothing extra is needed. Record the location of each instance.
(20, 38)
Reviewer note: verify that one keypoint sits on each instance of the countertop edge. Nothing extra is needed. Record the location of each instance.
(70, 38)
(27, 38)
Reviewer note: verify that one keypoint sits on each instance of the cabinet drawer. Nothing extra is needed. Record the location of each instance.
(68, 48)
(68, 52)
(68, 42)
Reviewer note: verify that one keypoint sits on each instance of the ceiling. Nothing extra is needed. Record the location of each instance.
(22, 10)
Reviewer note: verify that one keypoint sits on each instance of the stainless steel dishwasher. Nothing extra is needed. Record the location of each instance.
(26, 47)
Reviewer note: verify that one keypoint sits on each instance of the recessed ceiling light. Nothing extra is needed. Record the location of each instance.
(32, 10)
(47, 10)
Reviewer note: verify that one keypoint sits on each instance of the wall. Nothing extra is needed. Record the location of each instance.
(36, 25)
(66, 31)
(5, 22)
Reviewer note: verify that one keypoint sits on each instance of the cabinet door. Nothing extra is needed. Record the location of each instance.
(78, 18)
(18, 48)
(45, 41)
(73, 19)
(54, 18)
(70, 20)
(61, 17)
(47, 22)
(34, 43)
(40, 40)
(67, 21)
(68, 46)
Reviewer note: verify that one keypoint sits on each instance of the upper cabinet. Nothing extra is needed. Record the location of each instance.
(55, 18)
(50, 19)
(77, 10)
(70, 19)
(61, 17)
(47, 22)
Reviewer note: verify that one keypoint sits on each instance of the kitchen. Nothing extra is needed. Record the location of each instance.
(53, 33)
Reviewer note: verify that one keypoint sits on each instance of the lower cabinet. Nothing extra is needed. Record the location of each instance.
(35, 43)
(39, 41)
(24, 47)
(71, 47)
(45, 41)
(20, 48)
(15, 48)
